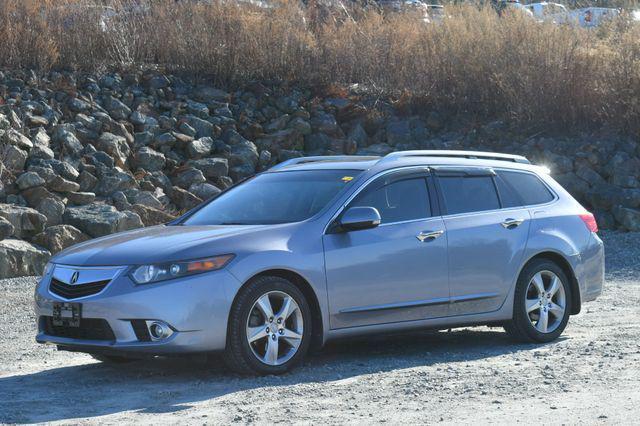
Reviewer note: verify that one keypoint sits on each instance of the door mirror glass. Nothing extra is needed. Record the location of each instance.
(357, 218)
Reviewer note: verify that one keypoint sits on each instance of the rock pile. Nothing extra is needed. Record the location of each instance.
(84, 156)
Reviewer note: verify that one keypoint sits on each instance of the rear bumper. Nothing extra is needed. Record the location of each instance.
(196, 308)
(590, 269)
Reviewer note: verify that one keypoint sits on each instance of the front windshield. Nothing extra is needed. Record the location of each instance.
(271, 198)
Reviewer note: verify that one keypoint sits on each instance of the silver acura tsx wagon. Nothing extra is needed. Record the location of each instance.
(320, 248)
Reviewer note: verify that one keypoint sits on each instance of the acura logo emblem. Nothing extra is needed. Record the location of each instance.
(74, 277)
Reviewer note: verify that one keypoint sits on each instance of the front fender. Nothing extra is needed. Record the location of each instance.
(307, 261)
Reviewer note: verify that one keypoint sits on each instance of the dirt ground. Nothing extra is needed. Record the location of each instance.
(473, 375)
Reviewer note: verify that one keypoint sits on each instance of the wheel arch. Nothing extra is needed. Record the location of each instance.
(317, 328)
(563, 263)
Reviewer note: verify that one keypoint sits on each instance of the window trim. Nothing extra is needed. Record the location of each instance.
(527, 206)
(435, 194)
(423, 170)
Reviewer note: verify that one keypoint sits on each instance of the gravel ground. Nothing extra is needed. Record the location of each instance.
(590, 375)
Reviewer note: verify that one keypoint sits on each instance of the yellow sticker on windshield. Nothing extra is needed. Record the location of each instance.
(347, 178)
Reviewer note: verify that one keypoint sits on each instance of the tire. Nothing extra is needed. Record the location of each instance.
(287, 342)
(111, 359)
(527, 324)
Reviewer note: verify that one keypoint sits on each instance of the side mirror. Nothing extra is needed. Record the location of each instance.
(357, 218)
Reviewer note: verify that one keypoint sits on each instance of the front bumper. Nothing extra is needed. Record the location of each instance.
(196, 308)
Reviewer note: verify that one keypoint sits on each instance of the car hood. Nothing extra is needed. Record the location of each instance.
(158, 244)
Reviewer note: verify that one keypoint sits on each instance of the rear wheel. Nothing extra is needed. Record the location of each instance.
(542, 303)
(269, 327)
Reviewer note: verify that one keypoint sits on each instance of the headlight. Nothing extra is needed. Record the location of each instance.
(48, 268)
(146, 274)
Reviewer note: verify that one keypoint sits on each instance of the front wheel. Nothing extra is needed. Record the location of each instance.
(542, 303)
(269, 327)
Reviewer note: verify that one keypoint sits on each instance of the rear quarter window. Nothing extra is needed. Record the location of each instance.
(528, 187)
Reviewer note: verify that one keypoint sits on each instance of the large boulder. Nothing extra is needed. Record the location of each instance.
(317, 142)
(41, 151)
(114, 180)
(151, 216)
(63, 168)
(359, 135)
(606, 196)
(150, 159)
(189, 177)
(116, 108)
(13, 157)
(6, 228)
(29, 180)
(53, 209)
(200, 147)
(202, 127)
(629, 218)
(60, 184)
(20, 258)
(324, 122)
(211, 167)
(87, 181)
(59, 237)
(572, 183)
(26, 221)
(13, 137)
(244, 153)
(183, 199)
(66, 137)
(283, 139)
(399, 133)
(33, 196)
(145, 198)
(115, 146)
(98, 219)
(590, 176)
(208, 93)
(204, 190)
(80, 198)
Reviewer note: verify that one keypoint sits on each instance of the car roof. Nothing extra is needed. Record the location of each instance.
(408, 159)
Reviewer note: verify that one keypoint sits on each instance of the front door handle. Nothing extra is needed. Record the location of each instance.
(512, 223)
(428, 235)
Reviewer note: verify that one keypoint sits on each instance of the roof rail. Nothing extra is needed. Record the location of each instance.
(321, 158)
(457, 154)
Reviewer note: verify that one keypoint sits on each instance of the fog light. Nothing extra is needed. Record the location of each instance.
(158, 330)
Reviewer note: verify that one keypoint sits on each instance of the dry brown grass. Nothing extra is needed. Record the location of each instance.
(473, 63)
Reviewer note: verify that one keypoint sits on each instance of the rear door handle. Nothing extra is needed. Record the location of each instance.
(512, 223)
(428, 235)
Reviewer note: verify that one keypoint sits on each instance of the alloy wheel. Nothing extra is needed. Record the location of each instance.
(275, 328)
(545, 301)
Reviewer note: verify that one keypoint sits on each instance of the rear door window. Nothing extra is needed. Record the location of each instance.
(397, 200)
(465, 194)
(527, 186)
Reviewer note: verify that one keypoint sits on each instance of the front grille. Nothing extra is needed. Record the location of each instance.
(141, 330)
(75, 291)
(90, 329)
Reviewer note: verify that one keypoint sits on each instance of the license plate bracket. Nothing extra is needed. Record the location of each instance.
(67, 314)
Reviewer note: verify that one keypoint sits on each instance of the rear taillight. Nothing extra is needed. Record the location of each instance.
(589, 221)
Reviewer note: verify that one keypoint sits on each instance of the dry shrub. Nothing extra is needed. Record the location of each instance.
(473, 63)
